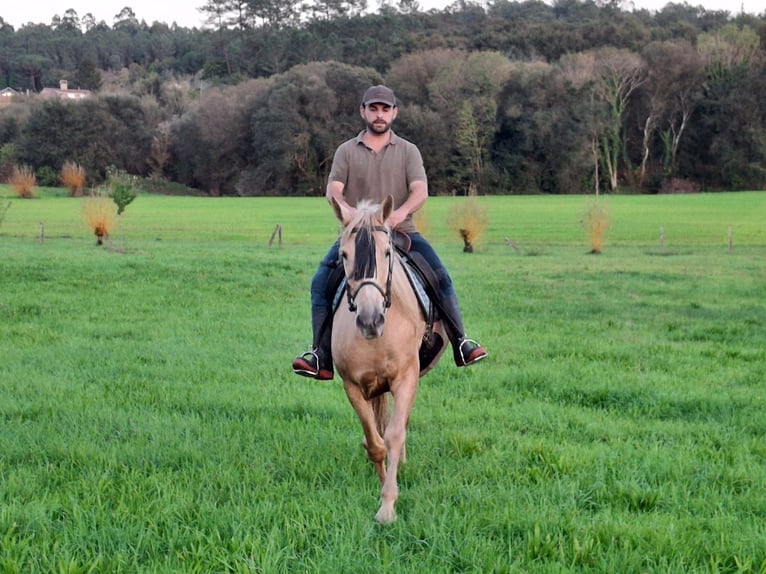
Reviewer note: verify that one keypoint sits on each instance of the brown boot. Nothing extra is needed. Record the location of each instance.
(309, 365)
(466, 351)
(317, 362)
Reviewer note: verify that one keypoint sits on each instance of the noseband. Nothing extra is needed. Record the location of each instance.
(351, 297)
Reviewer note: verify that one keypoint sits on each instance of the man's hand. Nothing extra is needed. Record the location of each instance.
(396, 218)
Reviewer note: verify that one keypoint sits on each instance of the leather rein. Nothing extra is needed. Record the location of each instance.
(351, 297)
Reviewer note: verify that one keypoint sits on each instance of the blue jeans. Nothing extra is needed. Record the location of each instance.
(419, 244)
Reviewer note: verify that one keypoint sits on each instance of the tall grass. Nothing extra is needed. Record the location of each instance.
(100, 215)
(151, 423)
(595, 222)
(23, 181)
(73, 177)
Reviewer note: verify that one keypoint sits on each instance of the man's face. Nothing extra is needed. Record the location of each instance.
(378, 117)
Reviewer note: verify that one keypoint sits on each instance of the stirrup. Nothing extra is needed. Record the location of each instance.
(309, 365)
(475, 353)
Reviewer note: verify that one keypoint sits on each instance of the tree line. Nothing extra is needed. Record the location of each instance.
(512, 97)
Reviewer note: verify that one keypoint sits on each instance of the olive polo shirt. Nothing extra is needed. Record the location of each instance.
(370, 175)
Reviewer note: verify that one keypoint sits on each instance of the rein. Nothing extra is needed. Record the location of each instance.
(351, 297)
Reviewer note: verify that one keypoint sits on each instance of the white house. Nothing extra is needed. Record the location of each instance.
(64, 92)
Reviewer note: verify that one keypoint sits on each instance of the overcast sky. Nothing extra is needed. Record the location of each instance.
(186, 14)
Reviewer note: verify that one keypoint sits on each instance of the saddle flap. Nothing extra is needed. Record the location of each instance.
(402, 242)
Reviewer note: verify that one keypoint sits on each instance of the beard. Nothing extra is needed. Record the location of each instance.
(378, 127)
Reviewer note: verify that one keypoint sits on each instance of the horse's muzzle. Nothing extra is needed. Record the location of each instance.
(370, 324)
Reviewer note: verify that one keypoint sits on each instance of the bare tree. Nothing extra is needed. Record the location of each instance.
(676, 74)
(610, 76)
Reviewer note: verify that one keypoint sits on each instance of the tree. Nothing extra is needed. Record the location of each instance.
(308, 111)
(674, 83)
(88, 77)
(463, 88)
(70, 20)
(211, 144)
(730, 119)
(609, 77)
(728, 47)
(544, 131)
(96, 132)
(335, 9)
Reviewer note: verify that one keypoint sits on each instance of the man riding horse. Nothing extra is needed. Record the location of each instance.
(373, 165)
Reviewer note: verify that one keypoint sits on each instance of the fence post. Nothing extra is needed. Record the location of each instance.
(277, 231)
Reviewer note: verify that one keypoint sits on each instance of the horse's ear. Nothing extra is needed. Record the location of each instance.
(387, 207)
(340, 212)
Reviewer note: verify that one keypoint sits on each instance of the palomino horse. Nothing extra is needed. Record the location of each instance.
(375, 341)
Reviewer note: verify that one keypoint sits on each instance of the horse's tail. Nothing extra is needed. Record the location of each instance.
(380, 409)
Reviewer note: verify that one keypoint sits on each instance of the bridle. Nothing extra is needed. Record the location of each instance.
(351, 297)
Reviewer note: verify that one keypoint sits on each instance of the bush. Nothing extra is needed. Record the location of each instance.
(595, 222)
(23, 181)
(73, 178)
(122, 188)
(469, 219)
(47, 176)
(99, 214)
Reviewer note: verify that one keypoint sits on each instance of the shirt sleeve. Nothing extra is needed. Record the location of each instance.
(414, 166)
(339, 169)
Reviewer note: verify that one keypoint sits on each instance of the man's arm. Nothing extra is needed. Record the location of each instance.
(416, 199)
(335, 191)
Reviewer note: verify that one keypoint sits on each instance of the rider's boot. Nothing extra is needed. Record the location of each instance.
(466, 351)
(317, 362)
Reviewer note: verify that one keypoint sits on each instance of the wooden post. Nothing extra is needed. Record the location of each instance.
(277, 231)
(730, 240)
(662, 240)
(42, 232)
(512, 245)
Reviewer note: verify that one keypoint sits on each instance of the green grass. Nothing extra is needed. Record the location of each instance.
(151, 423)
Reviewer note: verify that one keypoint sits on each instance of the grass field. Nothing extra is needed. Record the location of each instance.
(151, 423)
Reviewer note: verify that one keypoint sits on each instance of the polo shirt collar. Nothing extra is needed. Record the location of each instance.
(392, 141)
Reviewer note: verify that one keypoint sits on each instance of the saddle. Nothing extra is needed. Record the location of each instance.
(424, 283)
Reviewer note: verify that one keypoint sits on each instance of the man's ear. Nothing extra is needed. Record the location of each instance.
(387, 207)
(340, 212)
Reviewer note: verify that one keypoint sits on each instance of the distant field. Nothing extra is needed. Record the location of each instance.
(151, 423)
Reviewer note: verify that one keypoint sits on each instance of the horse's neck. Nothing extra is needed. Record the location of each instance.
(402, 294)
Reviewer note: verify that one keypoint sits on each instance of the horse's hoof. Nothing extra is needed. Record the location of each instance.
(385, 516)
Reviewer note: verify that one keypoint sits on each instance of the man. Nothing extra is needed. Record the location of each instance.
(375, 164)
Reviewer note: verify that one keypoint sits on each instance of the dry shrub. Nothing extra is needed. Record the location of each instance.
(469, 219)
(422, 222)
(23, 181)
(595, 222)
(100, 215)
(73, 178)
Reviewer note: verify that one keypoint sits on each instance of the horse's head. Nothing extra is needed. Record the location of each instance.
(366, 252)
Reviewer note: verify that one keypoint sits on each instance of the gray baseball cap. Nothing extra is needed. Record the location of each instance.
(379, 95)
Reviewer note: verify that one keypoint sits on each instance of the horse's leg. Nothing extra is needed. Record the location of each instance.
(373, 442)
(395, 437)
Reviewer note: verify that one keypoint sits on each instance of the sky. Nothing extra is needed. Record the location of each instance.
(185, 12)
